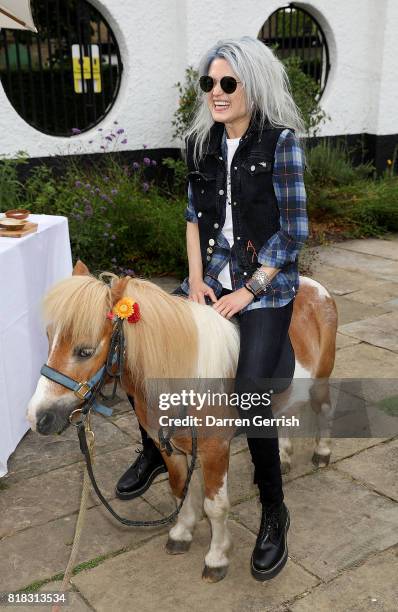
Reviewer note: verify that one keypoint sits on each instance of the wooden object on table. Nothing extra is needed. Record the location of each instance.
(28, 228)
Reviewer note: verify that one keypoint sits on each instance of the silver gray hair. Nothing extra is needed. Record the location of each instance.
(266, 86)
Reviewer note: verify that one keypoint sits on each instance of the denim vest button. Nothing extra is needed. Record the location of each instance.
(237, 237)
(211, 242)
(209, 250)
(199, 214)
(216, 226)
(221, 192)
(202, 191)
(252, 168)
(208, 258)
(235, 167)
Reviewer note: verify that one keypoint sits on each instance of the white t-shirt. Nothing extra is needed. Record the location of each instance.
(224, 277)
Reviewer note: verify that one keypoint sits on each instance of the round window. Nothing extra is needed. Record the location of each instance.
(294, 31)
(66, 78)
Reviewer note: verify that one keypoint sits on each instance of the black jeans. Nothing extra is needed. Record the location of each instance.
(263, 333)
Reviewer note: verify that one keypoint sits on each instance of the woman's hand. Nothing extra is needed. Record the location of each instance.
(230, 304)
(198, 290)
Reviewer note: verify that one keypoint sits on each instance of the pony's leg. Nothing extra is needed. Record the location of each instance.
(180, 535)
(285, 453)
(322, 405)
(214, 462)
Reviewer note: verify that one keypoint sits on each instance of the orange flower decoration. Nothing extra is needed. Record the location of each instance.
(126, 308)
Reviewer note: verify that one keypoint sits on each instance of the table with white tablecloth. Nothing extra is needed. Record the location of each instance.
(29, 266)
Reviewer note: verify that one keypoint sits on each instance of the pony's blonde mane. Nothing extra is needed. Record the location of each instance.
(162, 344)
(77, 308)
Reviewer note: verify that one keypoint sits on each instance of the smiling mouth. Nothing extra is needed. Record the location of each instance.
(221, 106)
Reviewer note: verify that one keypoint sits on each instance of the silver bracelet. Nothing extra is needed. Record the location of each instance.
(262, 278)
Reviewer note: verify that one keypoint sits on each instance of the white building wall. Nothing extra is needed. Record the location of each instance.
(158, 39)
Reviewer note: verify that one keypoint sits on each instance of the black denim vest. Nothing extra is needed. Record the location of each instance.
(255, 212)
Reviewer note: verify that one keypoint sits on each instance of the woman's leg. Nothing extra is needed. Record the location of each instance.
(263, 333)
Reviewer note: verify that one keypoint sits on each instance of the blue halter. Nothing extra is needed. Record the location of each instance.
(83, 390)
(87, 391)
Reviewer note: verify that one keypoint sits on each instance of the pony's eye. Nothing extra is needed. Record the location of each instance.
(84, 352)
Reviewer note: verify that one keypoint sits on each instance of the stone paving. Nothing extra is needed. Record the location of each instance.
(343, 540)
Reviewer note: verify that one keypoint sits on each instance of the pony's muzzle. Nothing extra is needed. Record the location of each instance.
(45, 423)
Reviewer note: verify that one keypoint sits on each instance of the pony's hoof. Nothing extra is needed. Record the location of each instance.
(320, 461)
(285, 467)
(214, 574)
(177, 547)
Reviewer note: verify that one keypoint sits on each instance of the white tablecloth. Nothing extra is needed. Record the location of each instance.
(29, 266)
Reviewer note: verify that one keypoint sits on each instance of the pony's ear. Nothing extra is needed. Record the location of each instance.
(118, 288)
(80, 269)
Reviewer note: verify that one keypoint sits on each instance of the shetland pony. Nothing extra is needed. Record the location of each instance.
(175, 338)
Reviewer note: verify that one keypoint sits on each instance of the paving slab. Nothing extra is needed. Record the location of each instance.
(342, 341)
(75, 602)
(384, 294)
(358, 262)
(167, 283)
(174, 582)
(349, 310)
(365, 361)
(128, 423)
(345, 447)
(344, 282)
(372, 586)
(378, 247)
(43, 551)
(37, 454)
(381, 331)
(377, 467)
(335, 522)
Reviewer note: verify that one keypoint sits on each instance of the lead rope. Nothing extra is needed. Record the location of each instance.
(79, 523)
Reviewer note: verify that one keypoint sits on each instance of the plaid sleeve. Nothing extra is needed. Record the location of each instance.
(283, 246)
(190, 214)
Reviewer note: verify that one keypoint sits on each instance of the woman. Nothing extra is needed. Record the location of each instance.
(246, 222)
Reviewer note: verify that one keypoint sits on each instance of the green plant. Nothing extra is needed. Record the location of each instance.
(331, 165)
(10, 186)
(186, 103)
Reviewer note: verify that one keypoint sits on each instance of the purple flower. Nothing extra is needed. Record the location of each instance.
(102, 147)
(108, 225)
(136, 165)
(113, 260)
(86, 201)
(147, 161)
(105, 234)
(104, 197)
(145, 186)
(116, 122)
(128, 272)
(113, 237)
(90, 141)
(124, 141)
(114, 191)
(76, 131)
(120, 131)
(97, 190)
(78, 183)
(108, 138)
(100, 129)
(88, 210)
(106, 179)
(144, 146)
(154, 163)
(87, 186)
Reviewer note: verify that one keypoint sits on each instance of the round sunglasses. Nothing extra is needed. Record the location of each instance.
(228, 84)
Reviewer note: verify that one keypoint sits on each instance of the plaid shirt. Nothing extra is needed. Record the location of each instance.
(283, 246)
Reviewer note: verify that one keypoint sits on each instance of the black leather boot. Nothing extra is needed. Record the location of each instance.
(139, 476)
(270, 552)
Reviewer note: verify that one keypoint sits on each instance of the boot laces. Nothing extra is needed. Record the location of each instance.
(270, 520)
